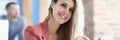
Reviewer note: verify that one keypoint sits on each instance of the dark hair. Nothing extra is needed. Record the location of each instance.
(55, 1)
(9, 4)
(65, 30)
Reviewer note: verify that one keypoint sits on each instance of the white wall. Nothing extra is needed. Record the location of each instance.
(3, 29)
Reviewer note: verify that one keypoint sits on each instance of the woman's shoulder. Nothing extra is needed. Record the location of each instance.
(34, 29)
(38, 28)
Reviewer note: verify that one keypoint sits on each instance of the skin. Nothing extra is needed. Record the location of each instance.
(13, 11)
(62, 12)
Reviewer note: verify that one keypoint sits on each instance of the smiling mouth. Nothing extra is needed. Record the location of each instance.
(62, 16)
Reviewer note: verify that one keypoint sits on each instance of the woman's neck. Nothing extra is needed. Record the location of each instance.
(53, 26)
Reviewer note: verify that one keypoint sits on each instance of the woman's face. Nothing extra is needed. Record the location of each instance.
(63, 10)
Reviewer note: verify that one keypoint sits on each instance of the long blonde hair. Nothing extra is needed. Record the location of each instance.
(65, 30)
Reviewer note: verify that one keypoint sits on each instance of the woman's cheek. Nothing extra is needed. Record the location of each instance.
(69, 17)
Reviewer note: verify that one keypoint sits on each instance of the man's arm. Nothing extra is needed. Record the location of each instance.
(22, 28)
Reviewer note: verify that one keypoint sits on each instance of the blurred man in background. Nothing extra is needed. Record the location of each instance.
(16, 22)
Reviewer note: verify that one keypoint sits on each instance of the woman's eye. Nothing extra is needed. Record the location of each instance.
(63, 5)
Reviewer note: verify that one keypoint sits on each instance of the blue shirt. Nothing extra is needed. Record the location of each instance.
(16, 28)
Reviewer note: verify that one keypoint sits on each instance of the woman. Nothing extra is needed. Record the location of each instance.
(58, 24)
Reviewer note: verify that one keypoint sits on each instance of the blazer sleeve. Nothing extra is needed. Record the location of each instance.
(29, 34)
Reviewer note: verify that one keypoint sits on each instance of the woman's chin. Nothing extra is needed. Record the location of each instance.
(62, 22)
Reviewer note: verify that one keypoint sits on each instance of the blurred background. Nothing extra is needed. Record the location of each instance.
(34, 12)
(101, 18)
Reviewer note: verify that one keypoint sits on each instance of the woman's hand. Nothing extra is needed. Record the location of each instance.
(82, 38)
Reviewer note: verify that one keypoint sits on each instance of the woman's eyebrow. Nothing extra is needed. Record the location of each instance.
(65, 3)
